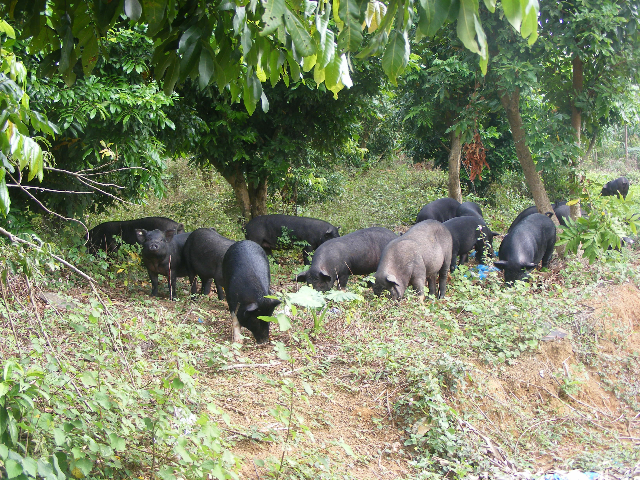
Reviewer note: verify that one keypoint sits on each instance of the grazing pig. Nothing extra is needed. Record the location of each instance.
(617, 187)
(467, 233)
(522, 249)
(441, 210)
(564, 211)
(162, 255)
(246, 279)
(266, 230)
(467, 209)
(356, 253)
(101, 236)
(203, 254)
(415, 258)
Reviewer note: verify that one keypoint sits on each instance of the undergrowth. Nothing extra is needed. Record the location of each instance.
(112, 383)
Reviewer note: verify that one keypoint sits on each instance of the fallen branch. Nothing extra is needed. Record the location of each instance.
(15, 239)
(248, 365)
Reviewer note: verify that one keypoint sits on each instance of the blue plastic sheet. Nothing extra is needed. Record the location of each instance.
(572, 475)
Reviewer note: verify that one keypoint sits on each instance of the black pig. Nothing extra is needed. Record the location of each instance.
(162, 255)
(442, 209)
(415, 258)
(521, 250)
(246, 279)
(356, 253)
(469, 209)
(203, 254)
(469, 232)
(266, 230)
(617, 187)
(101, 236)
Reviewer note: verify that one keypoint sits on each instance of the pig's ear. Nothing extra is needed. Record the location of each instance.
(302, 277)
(252, 307)
(168, 234)
(392, 279)
(269, 303)
(325, 275)
(501, 264)
(180, 228)
(529, 266)
(141, 236)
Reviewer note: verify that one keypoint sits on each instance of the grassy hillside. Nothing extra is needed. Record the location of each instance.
(489, 381)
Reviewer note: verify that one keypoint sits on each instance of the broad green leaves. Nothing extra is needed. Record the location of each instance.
(396, 55)
(523, 15)
(186, 46)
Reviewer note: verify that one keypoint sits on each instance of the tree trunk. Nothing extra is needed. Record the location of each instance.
(592, 143)
(258, 198)
(240, 190)
(576, 123)
(626, 145)
(454, 167)
(511, 104)
(577, 81)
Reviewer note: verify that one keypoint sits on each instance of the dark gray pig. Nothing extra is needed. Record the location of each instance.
(101, 236)
(246, 279)
(356, 253)
(162, 255)
(441, 210)
(564, 211)
(203, 254)
(416, 258)
(469, 209)
(266, 230)
(617, 187)
(467, 233)
(531, 241)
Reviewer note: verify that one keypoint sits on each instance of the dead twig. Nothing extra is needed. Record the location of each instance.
(248, 365)
(13, 327)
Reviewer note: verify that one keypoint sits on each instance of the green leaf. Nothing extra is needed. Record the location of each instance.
(117, 443)
(513, 10)
(467, 24)
(433, 14)
(327, 50)
(5, 201)
(529, 26)
(281, 351)
(180, 450)
(59, 436)
(7, 29)
(307, 297)
(4, 419)
(30, 466)
(350, 37)
(153, 12)
(252, 91)
(283, 322)
(491, 5)
(89, 379)
(299, 35)
(166, 473)
(342, 296)
(13, 468)
(346, 447)
(89, 55)
(272, 16)
(133, 10)
(206, 67)
(396, 55)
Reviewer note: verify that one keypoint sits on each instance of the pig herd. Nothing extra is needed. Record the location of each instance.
(443, 236)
